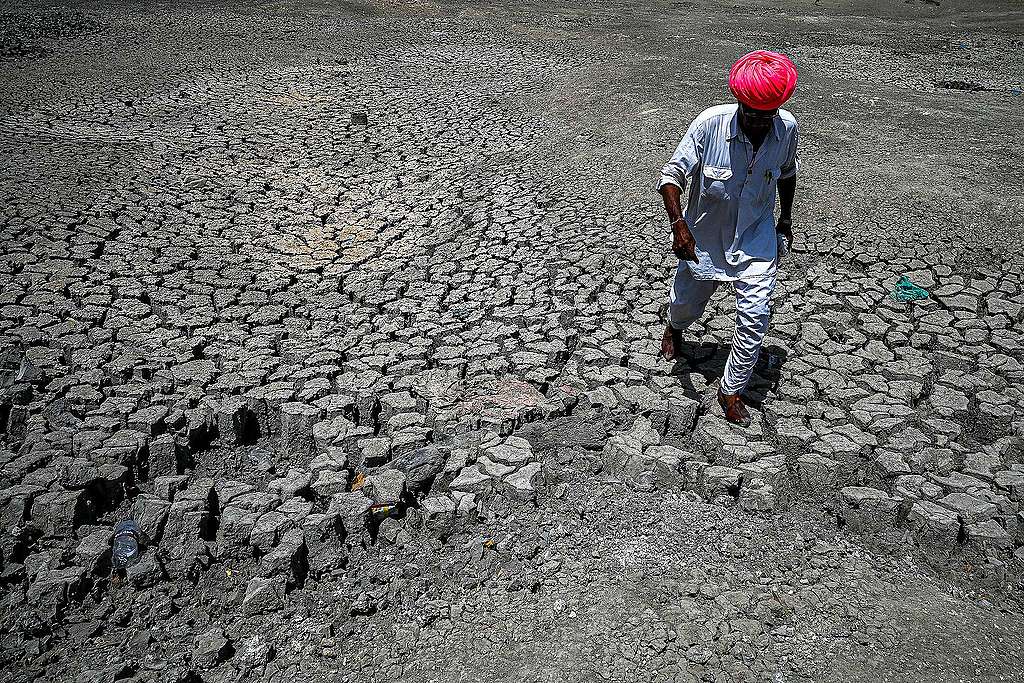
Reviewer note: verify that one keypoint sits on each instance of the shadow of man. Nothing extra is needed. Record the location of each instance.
(708, 360)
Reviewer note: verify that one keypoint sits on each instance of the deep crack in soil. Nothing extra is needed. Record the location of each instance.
(355, 308)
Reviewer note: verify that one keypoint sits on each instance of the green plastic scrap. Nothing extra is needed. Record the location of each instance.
(905, 290)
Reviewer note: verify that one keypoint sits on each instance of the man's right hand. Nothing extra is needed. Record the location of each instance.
(682, 242)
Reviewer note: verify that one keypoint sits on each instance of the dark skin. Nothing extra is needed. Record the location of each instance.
(755, 124)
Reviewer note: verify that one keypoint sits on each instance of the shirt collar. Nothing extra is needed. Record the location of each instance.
(734, 125)
(736, 132)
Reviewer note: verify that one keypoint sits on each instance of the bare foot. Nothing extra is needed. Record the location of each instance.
(734, 409)
(670, 343)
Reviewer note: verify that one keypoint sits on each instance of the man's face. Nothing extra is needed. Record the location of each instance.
(756, 121)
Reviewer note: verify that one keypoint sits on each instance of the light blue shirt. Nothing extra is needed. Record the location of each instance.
(731, 204)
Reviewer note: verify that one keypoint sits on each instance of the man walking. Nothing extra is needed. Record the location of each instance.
(735, 156)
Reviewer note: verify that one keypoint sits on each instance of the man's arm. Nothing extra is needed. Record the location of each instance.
(784, 226)
(673, 181)
(787, 191)
(682, 239)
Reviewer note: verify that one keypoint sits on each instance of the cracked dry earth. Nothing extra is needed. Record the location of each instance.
(355, 309)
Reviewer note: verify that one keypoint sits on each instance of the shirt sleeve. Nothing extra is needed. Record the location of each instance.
(792, 164)
(685, 158)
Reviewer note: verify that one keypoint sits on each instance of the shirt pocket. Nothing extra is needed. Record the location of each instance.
(766, 186)
(716, 179)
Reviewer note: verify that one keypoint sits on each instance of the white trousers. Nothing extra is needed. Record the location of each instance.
(688, 297)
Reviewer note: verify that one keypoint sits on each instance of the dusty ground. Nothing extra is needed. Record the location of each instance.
(385, 394)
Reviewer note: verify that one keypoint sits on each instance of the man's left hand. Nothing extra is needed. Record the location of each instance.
(784, 226)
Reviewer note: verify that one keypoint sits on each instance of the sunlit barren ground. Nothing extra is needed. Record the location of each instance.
(355, 309)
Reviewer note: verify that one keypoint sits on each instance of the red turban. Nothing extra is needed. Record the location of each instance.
(762, 79)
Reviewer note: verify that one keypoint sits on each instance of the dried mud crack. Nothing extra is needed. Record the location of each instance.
(355, 311)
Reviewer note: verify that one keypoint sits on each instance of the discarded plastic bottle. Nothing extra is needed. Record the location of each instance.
(128, 540)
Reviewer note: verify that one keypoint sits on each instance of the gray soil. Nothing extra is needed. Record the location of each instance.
(384, 394)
